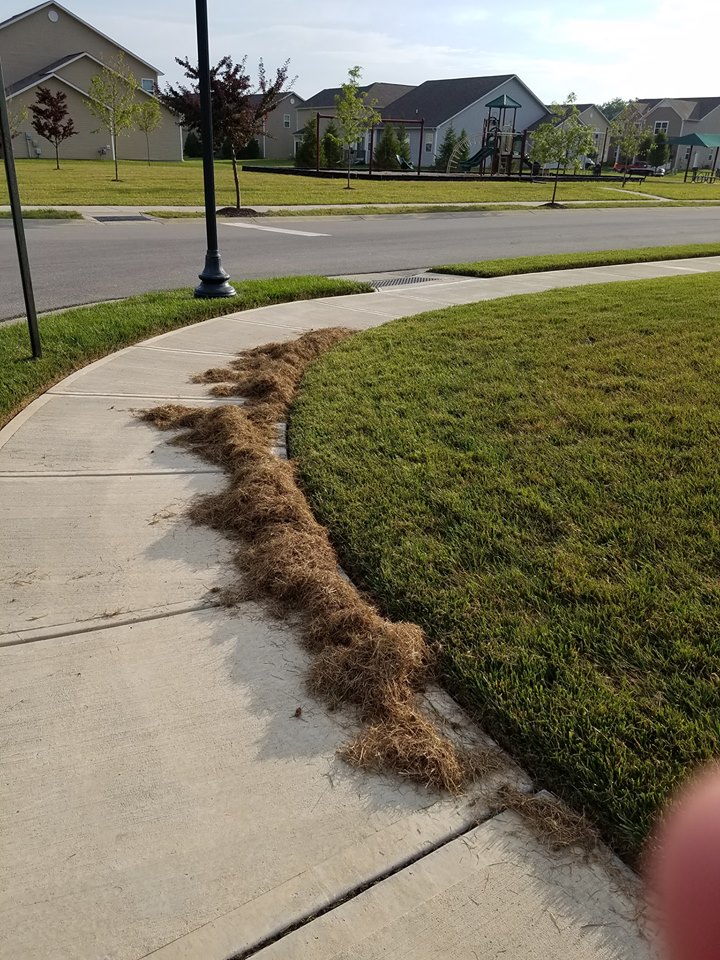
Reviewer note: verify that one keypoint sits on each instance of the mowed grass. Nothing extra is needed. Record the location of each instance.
(73, 338)
(46, 214)
(568, 261)
(89, 182)
(535, 481)
(673, 187)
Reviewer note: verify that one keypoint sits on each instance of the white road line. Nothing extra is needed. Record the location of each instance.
(256, 226)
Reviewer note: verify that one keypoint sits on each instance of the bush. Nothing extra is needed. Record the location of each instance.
(193, 146)
(306, 154)
(387, 150)
(331, 146)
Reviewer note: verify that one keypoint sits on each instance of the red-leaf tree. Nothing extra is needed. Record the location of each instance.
(238, 110)
(51, 118)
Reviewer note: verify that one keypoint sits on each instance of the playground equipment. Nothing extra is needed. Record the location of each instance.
(404, 165)
(500, 143)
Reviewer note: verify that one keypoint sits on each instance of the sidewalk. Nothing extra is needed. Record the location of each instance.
(158, 794)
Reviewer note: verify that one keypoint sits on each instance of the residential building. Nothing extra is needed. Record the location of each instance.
(50, 46)
(323, 102)
(679, 117)
(592, 116)
(463, 104)
(278, 138)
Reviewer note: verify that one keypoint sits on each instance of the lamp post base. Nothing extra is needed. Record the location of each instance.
(214, 280)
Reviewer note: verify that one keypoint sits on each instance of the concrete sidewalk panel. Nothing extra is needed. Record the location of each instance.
(224, 335)
(78, 548)
(138, 372)
(496, 893)
(71, 434)
(154, 778)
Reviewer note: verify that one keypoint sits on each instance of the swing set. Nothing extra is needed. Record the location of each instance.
(417, 123)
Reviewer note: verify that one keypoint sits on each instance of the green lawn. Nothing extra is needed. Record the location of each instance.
(76, 337)
(536, 482)
(88, 182)
(672, 186)
(568, 261)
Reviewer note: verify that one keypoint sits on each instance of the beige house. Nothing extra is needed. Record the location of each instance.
(679, 117)
(278, 137)
(51, 47)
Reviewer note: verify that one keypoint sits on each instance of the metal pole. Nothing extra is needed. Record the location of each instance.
(20, 243)
(317, 143)
(372, 147)
(687, 167)
(213, 279)
(422, 144)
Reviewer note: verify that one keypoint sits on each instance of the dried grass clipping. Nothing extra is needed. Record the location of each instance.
(360, 658)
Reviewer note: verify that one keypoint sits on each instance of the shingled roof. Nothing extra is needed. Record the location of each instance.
(41, 75)
(437, 100)
(689, 108)
(384, 93)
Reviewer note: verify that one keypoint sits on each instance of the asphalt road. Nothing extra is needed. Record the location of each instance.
(81, 262)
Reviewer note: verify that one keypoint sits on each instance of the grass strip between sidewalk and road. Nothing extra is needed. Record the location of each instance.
(73, 338)
(50, 213)
(569, 261)
(534, 481)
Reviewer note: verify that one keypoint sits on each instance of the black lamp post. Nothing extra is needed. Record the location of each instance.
(12, 186)
(213, 279)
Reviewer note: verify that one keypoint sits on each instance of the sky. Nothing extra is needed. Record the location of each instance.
(597, 50)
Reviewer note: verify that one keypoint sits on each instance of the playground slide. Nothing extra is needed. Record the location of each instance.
(477, 158)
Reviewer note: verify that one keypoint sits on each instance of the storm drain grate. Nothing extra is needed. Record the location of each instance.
(119, 219)
(400, 281)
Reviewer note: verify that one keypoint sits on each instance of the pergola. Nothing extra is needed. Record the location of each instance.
(707, 140)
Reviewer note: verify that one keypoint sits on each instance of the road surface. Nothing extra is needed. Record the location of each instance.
(85, 261)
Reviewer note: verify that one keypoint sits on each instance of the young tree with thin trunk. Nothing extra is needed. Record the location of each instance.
(561, 140)
(112, 101)
(51, 119)
(354, 113)
(147, 119)
(238, 111)
(628, 132)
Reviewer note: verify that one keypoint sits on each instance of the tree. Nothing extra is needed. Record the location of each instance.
(51, 118)
(613, 108)
(355, 114)
(147, 119)
(112, 101)
(16, 118)
(627, 132)
(660, 150)
(306, 153)
(645, 145)
(388, 149)
(446, 149)
(331, 146)
(193, 145)
(238, 112)
(561, 140)
(464, 152)
(404, 145)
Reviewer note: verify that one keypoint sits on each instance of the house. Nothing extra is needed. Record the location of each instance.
(590, 115)
(680, 117)
(323, 102)
(49, 45)
(278, 138)
(464, 104)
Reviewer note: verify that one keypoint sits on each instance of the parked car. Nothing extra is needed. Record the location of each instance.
(640, 168)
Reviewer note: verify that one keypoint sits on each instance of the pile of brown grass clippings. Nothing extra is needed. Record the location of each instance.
(286, 558)
(553, 821)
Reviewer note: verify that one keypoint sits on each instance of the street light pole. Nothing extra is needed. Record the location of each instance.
(6, 137)
(213, 279)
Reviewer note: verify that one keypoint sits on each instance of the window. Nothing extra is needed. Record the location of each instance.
(661, 126)
(428, 147)
(148, 85)
(286, 119)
